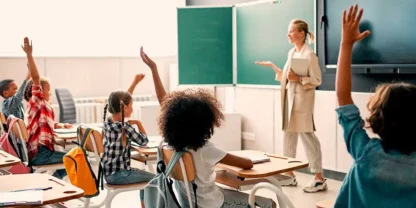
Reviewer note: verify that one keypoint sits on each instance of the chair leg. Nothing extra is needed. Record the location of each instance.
(86, 202)
(110, 196)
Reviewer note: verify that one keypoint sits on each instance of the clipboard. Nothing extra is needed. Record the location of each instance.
(300, 66)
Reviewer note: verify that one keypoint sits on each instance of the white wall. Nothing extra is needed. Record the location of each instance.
(90, 77)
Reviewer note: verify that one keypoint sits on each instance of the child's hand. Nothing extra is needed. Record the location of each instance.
(67, 126)
(27, 47)
(350, 22)
(138, 78)
(149, 62)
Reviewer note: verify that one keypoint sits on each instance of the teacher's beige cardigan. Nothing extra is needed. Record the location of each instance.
(300, 95)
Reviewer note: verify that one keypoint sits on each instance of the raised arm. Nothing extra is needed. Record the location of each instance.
(137, 79)
(28, 49)
(160, 90)
(350, 35)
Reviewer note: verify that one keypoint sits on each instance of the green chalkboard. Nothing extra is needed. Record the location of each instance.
(262, 36)
(205, 45)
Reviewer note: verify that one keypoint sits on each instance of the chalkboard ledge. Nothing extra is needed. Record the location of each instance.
(258, 86)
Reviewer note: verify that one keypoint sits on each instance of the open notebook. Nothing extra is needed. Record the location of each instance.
(154, 141)
(21, 198)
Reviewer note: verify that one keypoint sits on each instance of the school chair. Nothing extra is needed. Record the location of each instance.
(95, 145)
(325, 204)
(264, 185)
(2, 122)
(182, 171)
(67, 109)
(20, 134)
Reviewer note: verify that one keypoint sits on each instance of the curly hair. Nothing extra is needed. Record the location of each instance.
(188, 118)
(392, 111)
(28, 90)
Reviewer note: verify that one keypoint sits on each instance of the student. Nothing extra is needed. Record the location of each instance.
(41, 118)
(13, 97)
(187, 122)
(384, 170)
(118, 136)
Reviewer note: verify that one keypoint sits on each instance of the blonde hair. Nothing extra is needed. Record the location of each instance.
(303, 26)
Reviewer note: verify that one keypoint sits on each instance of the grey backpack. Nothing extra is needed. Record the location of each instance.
(158, 193)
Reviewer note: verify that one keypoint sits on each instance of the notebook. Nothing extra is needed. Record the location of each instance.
(259, 159)
(300, 66)
(21, 198)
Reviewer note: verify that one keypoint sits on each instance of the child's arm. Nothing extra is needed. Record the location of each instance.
(34, 73)
(237, 161)
(160, 90)
(137, 79)
(138, 137)
(139, 125)
(350, 35)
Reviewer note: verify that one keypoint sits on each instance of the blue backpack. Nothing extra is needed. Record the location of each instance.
(158, 193)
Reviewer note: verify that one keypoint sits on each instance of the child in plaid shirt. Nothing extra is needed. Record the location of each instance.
(41, 118)
(118, 136)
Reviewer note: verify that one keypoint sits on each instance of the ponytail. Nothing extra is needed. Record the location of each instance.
(105, 112)
(311, 38)
(123, 132)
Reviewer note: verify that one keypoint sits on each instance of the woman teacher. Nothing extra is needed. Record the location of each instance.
(298, 97)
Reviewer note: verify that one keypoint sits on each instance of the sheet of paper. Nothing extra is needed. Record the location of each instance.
(21, 198)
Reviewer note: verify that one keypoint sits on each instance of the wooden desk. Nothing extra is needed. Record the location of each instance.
(7, 160)
(259, 172)
(325, 204)
(61, 191)
(153, 140)
(277, 165)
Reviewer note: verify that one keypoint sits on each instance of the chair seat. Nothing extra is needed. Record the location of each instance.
(137, 186)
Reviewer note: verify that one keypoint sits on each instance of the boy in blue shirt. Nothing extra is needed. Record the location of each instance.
(13, 97)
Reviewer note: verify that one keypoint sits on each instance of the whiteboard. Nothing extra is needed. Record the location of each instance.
(89, 28)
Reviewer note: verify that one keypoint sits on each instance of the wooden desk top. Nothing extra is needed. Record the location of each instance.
(153, 140)
(325, 204)
(277, 165)
(61, 191)
(7, 160)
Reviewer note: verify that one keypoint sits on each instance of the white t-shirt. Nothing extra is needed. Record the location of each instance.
(209, 195)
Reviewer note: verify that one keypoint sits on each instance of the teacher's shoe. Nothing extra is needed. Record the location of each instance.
(316, 186)
(285, 180)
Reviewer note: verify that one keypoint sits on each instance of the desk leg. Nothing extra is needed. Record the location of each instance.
(284, 200)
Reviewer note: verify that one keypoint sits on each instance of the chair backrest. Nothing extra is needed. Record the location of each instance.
(95, 142)
(20, 129)
(177, 172)
(2, 122)
(67, 110)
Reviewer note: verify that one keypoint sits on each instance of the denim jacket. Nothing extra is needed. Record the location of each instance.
(377, 178)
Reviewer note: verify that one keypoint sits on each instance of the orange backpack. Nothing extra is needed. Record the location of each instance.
(79, 169)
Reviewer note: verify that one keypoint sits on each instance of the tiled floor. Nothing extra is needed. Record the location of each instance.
(295, 194)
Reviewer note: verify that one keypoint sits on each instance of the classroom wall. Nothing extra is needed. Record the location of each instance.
(90, 77)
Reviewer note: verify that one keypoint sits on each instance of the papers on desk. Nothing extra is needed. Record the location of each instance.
(65, 131)
(21, 198)
(259, 159)
(154, 142)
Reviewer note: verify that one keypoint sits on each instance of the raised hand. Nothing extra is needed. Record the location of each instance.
(350, 23)
(138, 78)
(149, 62)
(27, 47)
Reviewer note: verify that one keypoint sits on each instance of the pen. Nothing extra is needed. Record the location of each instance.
(34, 189)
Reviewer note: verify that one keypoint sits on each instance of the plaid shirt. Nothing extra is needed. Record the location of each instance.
(13, 105)
(41, 122)
(116, 157)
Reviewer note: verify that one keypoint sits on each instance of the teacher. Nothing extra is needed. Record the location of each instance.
(298, 98)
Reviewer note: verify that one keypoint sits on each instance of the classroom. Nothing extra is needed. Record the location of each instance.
(202, 103)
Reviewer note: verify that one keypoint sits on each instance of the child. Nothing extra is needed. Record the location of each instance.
(41, 118)
(384, 170)
(13, 98)
(117, 140)
(187, 122)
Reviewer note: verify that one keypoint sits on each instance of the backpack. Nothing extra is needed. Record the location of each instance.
(14, 146)
(158, 193)
(78, 168)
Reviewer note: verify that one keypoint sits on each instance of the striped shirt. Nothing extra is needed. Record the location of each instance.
(116, 157)
(41, 122)
(14, 105)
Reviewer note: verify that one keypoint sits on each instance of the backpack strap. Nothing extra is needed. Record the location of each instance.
(85, 137)
(175, 157)
(11, 121)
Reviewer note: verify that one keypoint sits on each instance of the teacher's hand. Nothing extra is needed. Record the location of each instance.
(291, 76)
(265, 63)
